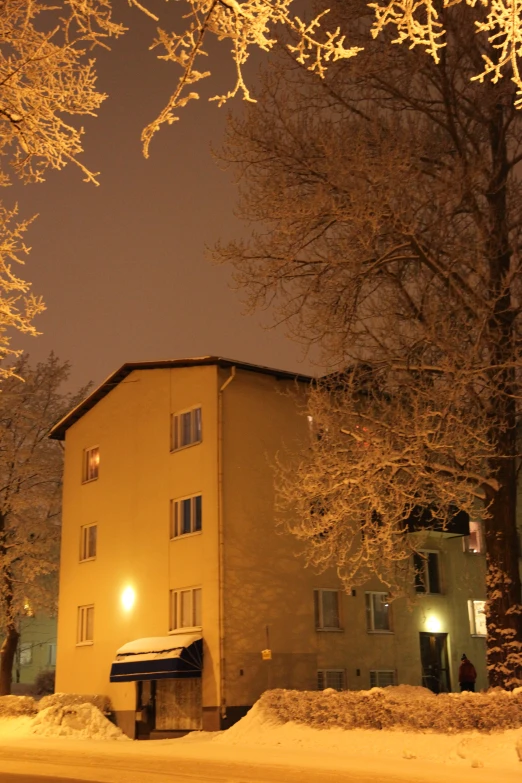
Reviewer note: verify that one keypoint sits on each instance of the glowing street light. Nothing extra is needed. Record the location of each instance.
(127, 598)
(433, 624)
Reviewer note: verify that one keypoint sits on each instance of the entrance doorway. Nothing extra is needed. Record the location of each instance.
(434, 662)
(168, 705)
(145, 708)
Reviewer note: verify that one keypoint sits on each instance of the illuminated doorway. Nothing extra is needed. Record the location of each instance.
(434, 662)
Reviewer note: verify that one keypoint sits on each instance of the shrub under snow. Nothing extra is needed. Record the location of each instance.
(44, 682)
(15, 706)
(401, 707)
(82, 721)
(69, 699)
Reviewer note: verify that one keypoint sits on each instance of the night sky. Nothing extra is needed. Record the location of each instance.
(122, 266)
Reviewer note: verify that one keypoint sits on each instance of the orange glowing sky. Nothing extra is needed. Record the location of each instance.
(122, 267)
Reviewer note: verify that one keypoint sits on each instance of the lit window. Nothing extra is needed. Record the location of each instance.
(185, 429)
(330, 678)
(381, 678)
(28, 609)
(427, 579)
(378, 614)
(477, 618)
(185, 608)
(85, 632)
(91, 464)
(326, 610)
(26, 654)
(88, 535)
(186, 516)
(474, 543)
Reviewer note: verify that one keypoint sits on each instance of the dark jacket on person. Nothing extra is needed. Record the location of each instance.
(467, 672)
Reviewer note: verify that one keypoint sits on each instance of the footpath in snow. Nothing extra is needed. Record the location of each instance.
(286, 736)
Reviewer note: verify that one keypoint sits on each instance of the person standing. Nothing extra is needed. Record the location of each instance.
(467, 674)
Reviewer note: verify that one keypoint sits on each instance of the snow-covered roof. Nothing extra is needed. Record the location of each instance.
(155, 647)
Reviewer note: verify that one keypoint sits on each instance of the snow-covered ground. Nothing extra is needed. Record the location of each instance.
(79, 742)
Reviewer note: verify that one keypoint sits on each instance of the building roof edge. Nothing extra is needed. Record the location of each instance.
(60, 428)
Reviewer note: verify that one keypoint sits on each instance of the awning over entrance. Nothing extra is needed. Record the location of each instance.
(159, 657)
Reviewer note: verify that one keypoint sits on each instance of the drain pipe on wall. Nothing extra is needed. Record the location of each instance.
(221, 556)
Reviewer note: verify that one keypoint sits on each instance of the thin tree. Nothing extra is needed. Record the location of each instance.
(389, 213)
(30, 497)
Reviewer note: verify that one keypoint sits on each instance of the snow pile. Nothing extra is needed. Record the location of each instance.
(14, 706)
(401, 707)
(79, 721)
(261, 728)
(70, 699)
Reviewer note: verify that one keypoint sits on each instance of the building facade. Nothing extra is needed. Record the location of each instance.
(36, 650)
(179, 597)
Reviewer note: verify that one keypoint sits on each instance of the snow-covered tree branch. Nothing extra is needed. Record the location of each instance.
(316, 40)
(47, 77)
(388, 209)
(30, 496)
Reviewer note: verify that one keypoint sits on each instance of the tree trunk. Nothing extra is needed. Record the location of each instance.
(503, 586)
(504, 618)
(11, 635)
(7, 656)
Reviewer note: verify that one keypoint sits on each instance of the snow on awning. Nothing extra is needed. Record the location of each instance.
(159, 657)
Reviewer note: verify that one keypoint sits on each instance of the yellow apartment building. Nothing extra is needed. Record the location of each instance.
(179, 598)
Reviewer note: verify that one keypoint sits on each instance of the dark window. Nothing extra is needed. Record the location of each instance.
(378, 612)
(427, 579)
(186, 516)
(186, 429)
(326, 609)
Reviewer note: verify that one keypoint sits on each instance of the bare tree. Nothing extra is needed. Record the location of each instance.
(30, 497)
(389, 213)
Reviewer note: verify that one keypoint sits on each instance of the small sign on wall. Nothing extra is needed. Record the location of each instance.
(266, 655)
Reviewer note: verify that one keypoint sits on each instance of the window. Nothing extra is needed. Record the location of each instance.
(28, 609)
(378, 612)
(185, 429)
(427, 578)
(330, 678)
(185, 516)
(51, 655)
(91, 464)
(85, 624)
(381, 678)
(477, 618)
(474, 543)
(88, 535)
(326, 610)
(26, 654)
(185, 608)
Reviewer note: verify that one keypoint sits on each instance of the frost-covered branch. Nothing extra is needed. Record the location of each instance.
(30, 479)
(381, 454)
(248, 25)
(18, 306)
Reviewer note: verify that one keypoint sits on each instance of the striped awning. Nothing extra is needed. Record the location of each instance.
(159, 657)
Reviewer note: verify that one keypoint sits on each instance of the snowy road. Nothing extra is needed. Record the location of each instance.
(181, 771)
(18, 778)
(150, 763)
